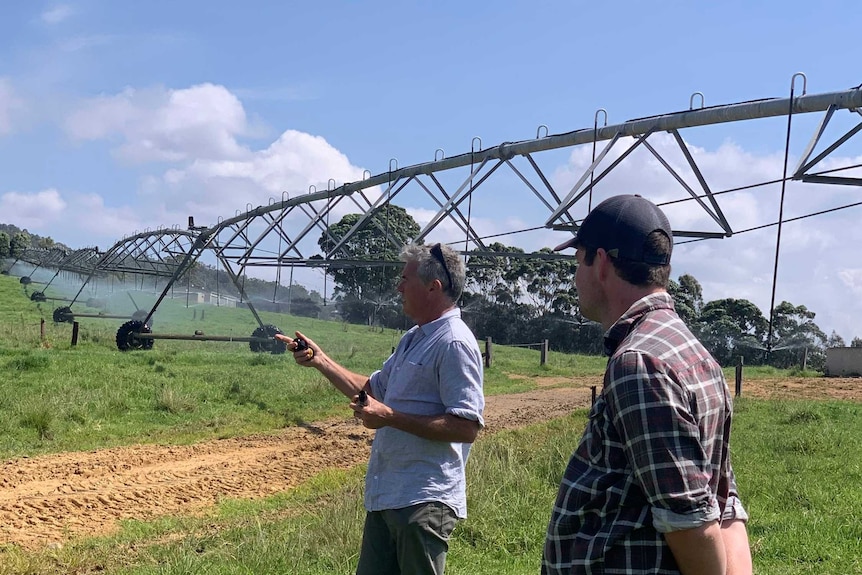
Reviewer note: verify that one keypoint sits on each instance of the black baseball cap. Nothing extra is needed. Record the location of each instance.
(620, 225)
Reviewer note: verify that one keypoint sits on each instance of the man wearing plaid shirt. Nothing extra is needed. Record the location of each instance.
(650, 488)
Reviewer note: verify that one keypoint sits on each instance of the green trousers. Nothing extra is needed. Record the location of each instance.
(409, 541)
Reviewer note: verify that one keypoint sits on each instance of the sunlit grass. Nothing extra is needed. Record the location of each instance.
(797, 465)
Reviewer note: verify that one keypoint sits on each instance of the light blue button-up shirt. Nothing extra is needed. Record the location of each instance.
(436, 369)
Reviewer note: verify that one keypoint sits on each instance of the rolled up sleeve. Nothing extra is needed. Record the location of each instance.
(661, 440)
(461, 382)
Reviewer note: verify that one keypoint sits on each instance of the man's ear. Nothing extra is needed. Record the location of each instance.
(604, 263)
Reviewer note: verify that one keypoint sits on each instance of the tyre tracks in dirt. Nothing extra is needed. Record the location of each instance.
(52, 499)
(55, 498)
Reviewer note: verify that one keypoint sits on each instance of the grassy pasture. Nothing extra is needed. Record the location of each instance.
(56, 397)
(798, 463)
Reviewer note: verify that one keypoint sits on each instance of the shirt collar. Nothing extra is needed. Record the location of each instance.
(623, 326)
(431, 326)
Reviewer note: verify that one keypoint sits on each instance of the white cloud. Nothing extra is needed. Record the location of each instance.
(56, 14)
(209, 188)
(73, 219)
(32, 210)
(852, 279)
(157, 125)
(211, 175)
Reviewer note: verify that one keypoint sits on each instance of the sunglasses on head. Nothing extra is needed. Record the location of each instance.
(437, 252)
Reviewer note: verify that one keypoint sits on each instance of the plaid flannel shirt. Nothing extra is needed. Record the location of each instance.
(654, 456)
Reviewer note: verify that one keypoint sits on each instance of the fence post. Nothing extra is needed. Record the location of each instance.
(195, 314)
(739, 377)
(592, 395)
(488, 346)
(544, 356)
(74, 333)
(42, 329)
(202, 314)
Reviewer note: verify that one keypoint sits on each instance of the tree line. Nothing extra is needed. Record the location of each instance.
(14, 240)
(516, 298)
(511, 296)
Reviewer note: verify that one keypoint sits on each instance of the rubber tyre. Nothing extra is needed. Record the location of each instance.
(63, 315)
(127, 336)
(274, 346)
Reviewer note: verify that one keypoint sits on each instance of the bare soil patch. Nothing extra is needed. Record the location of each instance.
(51, 499)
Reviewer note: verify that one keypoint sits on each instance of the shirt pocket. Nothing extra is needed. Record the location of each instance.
(418, 389)
(416, 371)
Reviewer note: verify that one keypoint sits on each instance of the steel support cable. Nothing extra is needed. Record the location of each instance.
(832, 170)
(511, 233)
(328, 211)
(470, 199)
(788, 220)
(277, 272)
(595, 139)
(781, 210)
(384, 241)
(759, 184)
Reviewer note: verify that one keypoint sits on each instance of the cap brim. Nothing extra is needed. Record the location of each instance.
(572, 243)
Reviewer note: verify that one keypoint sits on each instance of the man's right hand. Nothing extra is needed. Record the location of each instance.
(303, 354)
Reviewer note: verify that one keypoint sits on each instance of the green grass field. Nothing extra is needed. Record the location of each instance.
(797, 462)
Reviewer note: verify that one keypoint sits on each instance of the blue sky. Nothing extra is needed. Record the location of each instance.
(116, 116)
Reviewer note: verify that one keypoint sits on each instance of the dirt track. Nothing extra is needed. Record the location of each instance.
(50, 499)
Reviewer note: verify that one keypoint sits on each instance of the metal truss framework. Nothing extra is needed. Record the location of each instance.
(47, 257)
(246, 239)
(79, 262)
(159, 253)
(280, 233)
(284, 233)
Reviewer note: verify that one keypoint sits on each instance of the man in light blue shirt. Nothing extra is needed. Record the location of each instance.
(426, 404)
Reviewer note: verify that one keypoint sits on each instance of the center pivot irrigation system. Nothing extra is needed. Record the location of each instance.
(471, 203)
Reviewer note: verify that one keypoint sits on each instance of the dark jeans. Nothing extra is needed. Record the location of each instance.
(409, 541)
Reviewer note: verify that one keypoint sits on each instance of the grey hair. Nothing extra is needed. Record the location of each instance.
(430, 269)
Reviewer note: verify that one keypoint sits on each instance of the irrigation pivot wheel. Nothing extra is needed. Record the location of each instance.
(63, 314)
(38, 296)
(25, 280)
(275, 346)
(127, 336)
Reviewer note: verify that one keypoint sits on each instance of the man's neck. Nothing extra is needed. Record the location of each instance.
(434, 314)
(625, 298)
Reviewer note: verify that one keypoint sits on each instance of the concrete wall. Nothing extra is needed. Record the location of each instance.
(844, 361)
